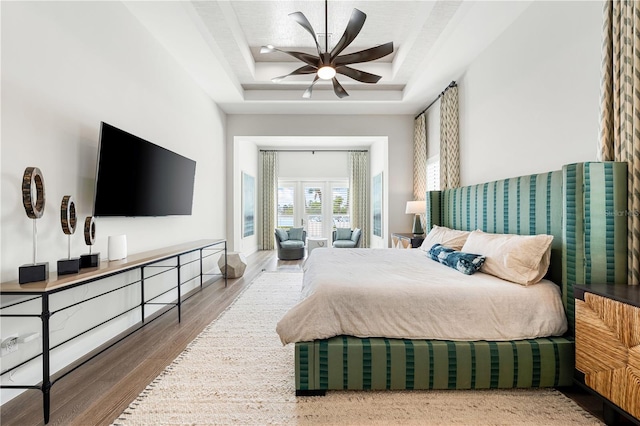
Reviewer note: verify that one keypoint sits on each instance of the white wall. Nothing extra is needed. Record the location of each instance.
(66, 66)
(529, 102)
(318, 165)
(398, 129)
(379, 163)
(245, 160)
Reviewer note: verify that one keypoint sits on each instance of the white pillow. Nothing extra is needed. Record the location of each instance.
(522, 259)
(451, 238)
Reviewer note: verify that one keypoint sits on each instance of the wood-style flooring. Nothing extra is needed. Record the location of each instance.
(96, 393)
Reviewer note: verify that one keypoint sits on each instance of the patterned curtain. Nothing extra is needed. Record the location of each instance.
(620, 110)
(359, 193)
(420, 157)
(268, 195)
(449, 140)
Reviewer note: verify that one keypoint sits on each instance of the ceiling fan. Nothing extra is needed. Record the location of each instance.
(327, 64)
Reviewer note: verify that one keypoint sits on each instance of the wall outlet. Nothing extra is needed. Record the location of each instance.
(9, 344)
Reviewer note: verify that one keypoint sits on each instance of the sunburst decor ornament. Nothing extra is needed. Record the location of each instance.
(327, 64)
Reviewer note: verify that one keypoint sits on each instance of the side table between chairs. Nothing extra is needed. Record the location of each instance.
(316, 242)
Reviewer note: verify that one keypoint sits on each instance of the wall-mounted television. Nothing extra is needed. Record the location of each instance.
(135, 177)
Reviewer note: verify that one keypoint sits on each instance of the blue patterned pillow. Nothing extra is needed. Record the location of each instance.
(467, 263)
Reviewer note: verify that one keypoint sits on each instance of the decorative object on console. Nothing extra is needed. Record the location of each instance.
(68, 220)
(90, 260)
(33, 200)
(416, 208)
(327, 64)
(117, 247)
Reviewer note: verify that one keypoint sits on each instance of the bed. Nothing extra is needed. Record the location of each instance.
(581, 206)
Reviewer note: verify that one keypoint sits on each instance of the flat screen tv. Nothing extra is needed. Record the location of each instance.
(138, 178)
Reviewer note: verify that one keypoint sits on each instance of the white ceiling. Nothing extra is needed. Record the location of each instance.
(218, 43)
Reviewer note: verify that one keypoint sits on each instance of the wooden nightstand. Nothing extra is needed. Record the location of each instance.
(406, 241)
(608, 345)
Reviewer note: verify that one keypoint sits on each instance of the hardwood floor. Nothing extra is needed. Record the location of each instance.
(96, 393)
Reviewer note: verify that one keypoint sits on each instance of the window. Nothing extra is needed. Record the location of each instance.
(340, 205)
(285, 215)
(318, 206)
(313, 216)
(433, 173)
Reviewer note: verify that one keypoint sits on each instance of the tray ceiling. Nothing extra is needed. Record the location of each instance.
(218, 43)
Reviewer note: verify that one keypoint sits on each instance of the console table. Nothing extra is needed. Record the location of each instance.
(144, 262)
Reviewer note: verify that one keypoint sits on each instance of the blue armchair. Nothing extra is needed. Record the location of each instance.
(346, 238)
(290, 243)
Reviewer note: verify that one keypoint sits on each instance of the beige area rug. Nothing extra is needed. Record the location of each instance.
(237, 372)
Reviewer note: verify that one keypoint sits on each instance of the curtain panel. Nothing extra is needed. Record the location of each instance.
(359, 193)
(449, 140)
(268, 197)
(420, 157)
(620, 110)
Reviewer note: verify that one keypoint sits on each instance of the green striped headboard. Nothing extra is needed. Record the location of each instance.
(583, 206)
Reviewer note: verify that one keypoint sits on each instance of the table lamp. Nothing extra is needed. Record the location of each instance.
(417, 208)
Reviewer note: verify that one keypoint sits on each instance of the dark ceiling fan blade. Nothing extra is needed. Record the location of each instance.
(307, 69)
(365, 55)
(361, 76)
(338, 89)
(350, 33)
(304, 57)
(304, 23)
(307, 93)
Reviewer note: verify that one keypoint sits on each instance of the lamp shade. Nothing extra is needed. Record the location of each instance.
(416, 207)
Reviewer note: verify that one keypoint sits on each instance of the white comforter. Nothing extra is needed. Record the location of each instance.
(404, 294)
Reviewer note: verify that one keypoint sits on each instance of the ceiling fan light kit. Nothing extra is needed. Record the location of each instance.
(327, 64)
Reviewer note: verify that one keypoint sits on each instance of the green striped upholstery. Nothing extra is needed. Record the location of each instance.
(583, 206)
(595, 227)
(378, 363)
(525, 205)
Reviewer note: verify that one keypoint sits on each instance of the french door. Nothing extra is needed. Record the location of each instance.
(317, 206)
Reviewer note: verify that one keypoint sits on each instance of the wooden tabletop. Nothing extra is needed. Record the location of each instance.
(105, 268)
(629, 294)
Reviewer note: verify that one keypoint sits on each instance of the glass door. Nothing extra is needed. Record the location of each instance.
(286, 205)
(317, 206)
(340, 215)
(313, 215)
